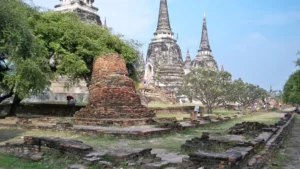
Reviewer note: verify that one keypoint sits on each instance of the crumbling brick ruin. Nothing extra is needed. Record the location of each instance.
(112, 94)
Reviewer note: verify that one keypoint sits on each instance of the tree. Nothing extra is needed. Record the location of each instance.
(23, 69)
(291, 90)
(246, 94)
(237, 91)
(278, 95)
(209, 87)
(73, 44)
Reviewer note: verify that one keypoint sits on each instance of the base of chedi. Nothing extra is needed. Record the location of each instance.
(112, 94)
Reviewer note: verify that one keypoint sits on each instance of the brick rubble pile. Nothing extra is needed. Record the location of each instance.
(112, 93)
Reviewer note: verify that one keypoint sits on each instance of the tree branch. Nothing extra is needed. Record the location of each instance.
(7, 95)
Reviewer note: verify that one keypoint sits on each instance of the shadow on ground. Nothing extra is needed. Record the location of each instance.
(6, 134)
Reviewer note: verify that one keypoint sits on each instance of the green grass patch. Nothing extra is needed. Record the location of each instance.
(11, 162)
(224, 112)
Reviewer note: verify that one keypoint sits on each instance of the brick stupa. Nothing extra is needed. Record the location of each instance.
(112, 94)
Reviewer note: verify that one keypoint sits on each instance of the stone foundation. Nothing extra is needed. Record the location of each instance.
(35, 148)
(243, 155)
(259, 160)
(248, 128)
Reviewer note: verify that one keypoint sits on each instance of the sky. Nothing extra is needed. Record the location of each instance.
(256, 40)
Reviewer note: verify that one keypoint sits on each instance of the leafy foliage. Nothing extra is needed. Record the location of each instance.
(246, 94)
(291, 90)
(24, 69)
(75, 44)
(210, 87)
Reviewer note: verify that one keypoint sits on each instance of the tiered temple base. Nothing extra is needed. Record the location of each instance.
(112, 95)
(171, 76)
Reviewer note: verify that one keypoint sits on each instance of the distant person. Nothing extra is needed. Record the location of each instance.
(71, 102)
(280, 106)
(196, 111)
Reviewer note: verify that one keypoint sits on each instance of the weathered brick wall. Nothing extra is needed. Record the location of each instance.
(66, 110)
(48, 109)
(112, 94)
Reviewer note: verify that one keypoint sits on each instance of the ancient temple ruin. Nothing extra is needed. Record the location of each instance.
(164, 63)
(187, 63)
(84, 8)
(112, 94)
(204, 59)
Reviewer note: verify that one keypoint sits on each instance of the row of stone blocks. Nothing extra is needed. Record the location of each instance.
(33, 148)
(71, 146)
(236, 157)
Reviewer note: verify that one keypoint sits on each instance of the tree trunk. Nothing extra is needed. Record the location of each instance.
(15, 104)
(209, 109)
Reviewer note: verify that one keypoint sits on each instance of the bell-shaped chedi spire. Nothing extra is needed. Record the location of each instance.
(204, 45)
(188, 56)
(84, 8)
(163, 25)
(105, 24)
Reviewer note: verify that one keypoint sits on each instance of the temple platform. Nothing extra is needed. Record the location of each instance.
(121, 122)
(147, 129)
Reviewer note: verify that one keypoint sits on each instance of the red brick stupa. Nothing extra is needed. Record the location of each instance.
(112, 93)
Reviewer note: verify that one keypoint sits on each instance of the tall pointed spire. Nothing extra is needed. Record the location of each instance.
(222, 69)
(188, 56)
(204, 45)
(163, 24)
(105, 24)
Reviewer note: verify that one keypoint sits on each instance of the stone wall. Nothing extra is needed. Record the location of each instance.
(89, 17)
(48, 109)
(62, 110)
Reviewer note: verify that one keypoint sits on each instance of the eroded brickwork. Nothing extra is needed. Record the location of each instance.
(112, 94)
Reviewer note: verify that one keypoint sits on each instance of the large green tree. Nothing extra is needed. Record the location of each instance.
(209, 87)
(74, 44)
(24, 70)
(246, 94)
(291, 90)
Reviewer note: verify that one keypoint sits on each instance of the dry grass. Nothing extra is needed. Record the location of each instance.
(178, 116)
(170, 105)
